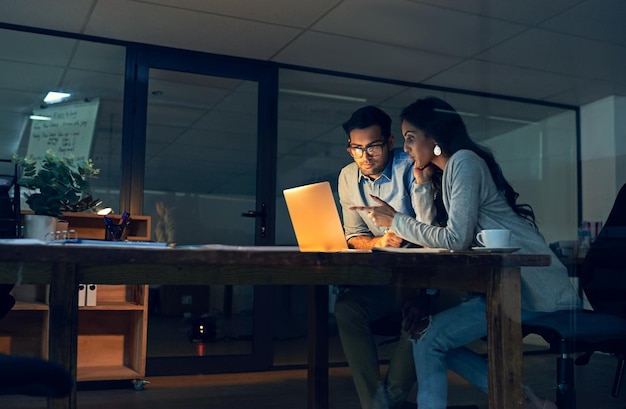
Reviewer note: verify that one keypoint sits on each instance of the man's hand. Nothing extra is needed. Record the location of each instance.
(367, 242)
(389, 239)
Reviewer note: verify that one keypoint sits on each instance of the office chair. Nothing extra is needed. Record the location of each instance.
(20, 375)
(603, 279)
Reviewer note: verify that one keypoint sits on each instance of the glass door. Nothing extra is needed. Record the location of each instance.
(200, 187)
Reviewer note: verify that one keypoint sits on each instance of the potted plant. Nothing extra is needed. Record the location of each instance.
(56, 184)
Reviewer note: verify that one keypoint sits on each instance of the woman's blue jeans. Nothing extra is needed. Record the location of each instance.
(441, 348)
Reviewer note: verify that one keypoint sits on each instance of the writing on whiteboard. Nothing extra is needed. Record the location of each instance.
(69, 132)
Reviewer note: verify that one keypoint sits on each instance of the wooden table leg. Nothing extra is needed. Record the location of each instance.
(63, 327)
(317, 376)
(505, 340)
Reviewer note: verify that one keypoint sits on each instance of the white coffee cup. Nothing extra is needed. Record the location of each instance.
(494, 238)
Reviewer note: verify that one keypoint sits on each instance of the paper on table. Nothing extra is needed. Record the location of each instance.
(258, 248)
(107, 243)
(247, 248)
(22, 241)
(85, 242)
(412, 249)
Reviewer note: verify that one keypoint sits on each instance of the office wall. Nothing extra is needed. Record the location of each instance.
(537, 160)
(603, 155)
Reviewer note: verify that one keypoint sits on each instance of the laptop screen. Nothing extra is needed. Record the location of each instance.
(315, 218)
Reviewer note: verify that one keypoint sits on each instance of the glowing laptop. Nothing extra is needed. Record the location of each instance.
(315, 218)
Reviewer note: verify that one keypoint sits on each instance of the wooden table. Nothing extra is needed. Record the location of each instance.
(65, 266)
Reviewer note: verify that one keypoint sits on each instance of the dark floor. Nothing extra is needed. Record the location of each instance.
(287, 389)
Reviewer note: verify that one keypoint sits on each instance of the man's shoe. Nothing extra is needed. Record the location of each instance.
(532, 401)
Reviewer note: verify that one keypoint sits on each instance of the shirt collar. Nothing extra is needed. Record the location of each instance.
(387, 172)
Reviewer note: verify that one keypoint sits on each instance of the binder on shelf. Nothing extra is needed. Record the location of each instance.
(82, 294)
(92, 291)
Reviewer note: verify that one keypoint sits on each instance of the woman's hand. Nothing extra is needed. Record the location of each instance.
(417, 313)
(415, 318)
(381, 215)
(423, 175)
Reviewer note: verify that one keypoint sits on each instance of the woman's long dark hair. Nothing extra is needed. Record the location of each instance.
(438, 120)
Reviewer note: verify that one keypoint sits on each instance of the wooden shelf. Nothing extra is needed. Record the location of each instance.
(112, 335)
(91, 226)
(114, 307)
(30, 306)
(25, 332)
(98, 373)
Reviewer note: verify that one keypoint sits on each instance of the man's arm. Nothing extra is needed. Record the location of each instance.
(389, 239)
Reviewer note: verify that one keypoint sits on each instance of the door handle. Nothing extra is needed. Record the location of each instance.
(258, 214)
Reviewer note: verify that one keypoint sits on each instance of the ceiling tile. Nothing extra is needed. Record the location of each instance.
(99, 57)
(64, 15)
(186, 29)
(34, 48)
(560, 54)
(529, 12)
(29, 77)
(496, 78)
(286, 12)
(363, 57)
(585, 92)
(601, 20)
(418, 26)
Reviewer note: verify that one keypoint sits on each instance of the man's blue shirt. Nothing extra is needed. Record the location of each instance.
(393, 186)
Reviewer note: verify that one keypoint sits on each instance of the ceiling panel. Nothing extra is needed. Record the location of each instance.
(416, 26)
(154, 24)
(562, 55)
(494, 78)
(98, 57)
(601, 20)
(17, 76)
(27, 48)
(285, 12)
(63, 15)
(528, 12)
(363, 57)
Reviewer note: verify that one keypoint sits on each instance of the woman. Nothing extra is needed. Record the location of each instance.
(476, 196)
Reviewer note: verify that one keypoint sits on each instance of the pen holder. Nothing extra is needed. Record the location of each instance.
(116, 232)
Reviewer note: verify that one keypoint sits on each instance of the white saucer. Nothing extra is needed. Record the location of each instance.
(496, 249)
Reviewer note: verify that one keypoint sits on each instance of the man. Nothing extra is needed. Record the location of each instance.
(385, 172)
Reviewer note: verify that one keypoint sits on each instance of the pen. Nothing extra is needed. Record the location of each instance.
(124, 217)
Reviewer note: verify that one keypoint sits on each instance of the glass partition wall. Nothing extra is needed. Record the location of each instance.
(190, 144)
(215, 146)
(534, 144)
(31, 65)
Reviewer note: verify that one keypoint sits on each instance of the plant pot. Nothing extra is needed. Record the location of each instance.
(37, 226)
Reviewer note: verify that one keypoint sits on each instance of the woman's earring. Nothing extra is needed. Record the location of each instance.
(437, 150)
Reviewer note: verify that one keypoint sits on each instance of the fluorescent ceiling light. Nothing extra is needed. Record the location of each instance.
(320, 95)
(54, 97)
(492, 117)
(40, 118)
(516, 121)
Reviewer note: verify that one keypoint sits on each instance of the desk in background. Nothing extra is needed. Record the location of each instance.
(65, 266)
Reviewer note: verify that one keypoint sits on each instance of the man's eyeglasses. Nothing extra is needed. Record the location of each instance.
(372, 150)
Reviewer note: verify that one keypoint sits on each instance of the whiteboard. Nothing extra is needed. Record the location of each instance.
(69, 131)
